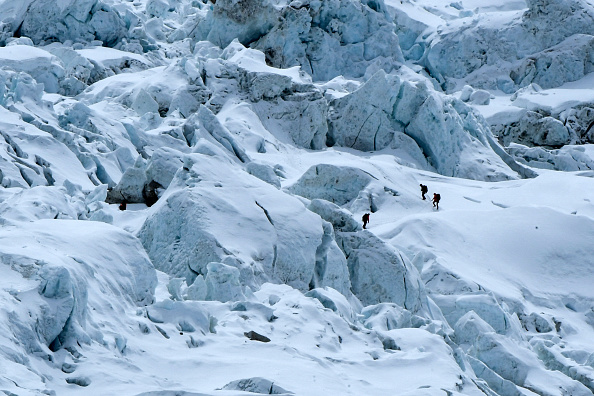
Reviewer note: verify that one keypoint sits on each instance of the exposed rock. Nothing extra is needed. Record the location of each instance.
(252, 335)
(256, 385)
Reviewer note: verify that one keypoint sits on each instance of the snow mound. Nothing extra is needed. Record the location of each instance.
(53, 285)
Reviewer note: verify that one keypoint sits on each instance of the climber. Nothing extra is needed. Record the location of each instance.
(123, 205)
(424, 191)
(436, 198)
(365, 219)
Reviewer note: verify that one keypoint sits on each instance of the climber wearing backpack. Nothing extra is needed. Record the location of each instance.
(436, 198)
(424, 191)
(365, 220)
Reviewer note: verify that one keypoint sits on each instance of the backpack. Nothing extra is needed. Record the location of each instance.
(365, 217)
(437, 197)
(423, 188)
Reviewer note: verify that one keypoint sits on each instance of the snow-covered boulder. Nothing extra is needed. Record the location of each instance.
(480, 97)
(465, 93)
(337, 184)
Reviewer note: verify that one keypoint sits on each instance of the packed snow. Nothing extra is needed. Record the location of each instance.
(183, 184)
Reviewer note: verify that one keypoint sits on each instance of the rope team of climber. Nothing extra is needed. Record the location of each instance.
(424, 190)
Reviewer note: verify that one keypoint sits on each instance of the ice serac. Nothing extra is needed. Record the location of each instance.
(257, 385)
(327, 38)
(85, 20)
(341, 219)
(547, 44)
(388, 112)
(223, 283)
(285, 100)
(39, 64)
(567, 158)
(146, 180)
(205, 216)
(364, 120)
(379, 273)
(455, 139)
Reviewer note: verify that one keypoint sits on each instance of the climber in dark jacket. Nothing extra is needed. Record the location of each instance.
(424, 191)
(365, 220)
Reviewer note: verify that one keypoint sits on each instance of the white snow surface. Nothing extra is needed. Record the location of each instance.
(247, 139)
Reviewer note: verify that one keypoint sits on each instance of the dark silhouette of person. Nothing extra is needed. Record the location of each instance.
(436, 198)
(365, 220)
(123, 205)
(424, 191)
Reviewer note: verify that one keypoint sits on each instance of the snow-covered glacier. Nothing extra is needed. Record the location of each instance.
(183, 182)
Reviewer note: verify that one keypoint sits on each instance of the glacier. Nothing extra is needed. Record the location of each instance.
(247, 138)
